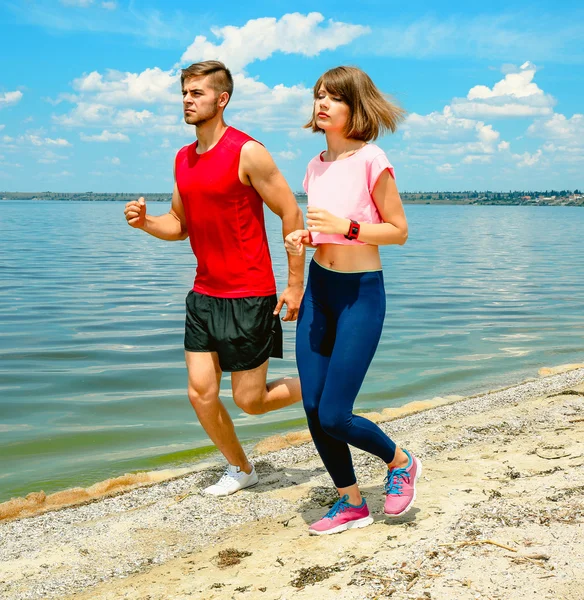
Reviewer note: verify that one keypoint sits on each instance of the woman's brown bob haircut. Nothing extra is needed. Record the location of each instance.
(371, 114)
(221, 78)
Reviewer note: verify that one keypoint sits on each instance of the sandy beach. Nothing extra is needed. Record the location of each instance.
(499, 515)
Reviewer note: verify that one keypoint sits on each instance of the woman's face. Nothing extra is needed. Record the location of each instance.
(330, 112)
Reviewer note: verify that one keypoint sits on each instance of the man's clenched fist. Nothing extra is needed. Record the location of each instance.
(135, 212)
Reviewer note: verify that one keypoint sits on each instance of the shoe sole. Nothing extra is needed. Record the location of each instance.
(350, 525)
(407, 508)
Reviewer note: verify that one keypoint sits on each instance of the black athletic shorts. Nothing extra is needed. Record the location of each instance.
(243, 331)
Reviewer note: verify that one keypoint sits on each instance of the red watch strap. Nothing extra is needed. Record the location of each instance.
(354, 229)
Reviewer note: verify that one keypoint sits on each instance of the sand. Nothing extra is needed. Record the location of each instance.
(499, 515)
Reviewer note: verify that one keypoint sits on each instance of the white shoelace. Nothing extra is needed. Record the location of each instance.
(227, 478)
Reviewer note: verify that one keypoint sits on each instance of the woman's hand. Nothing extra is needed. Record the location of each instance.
(322, 221)
(295, 241)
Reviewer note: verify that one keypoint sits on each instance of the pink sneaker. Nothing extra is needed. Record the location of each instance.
(400, 487)
(342, 516)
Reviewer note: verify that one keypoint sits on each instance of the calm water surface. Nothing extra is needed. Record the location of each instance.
(92, 380)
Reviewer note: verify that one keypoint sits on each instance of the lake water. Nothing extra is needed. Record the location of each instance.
(92, 379)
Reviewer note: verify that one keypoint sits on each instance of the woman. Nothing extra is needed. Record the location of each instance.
(353, 208)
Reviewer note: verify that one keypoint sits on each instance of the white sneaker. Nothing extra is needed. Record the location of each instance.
(233, 480)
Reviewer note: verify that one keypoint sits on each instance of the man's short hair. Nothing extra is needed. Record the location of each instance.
(221, 78)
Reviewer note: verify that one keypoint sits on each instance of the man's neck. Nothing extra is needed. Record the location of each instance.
(209, 134)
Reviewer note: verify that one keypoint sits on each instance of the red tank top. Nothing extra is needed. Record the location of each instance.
(225, 221)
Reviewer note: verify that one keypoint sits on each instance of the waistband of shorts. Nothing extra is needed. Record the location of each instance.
(315, 262)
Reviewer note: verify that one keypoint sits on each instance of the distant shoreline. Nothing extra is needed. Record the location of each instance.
(517, 198)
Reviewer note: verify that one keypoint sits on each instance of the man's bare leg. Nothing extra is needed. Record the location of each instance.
(204, 379)
(254, 396)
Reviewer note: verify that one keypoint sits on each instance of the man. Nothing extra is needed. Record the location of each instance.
(232, 321)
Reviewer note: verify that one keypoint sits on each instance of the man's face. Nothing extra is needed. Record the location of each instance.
(200, 100)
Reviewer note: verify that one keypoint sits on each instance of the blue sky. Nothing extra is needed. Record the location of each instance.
(90, 99)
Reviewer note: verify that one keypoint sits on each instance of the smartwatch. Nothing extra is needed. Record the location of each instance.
(354, 228)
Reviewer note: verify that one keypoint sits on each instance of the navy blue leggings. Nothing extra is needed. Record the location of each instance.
(339, 326)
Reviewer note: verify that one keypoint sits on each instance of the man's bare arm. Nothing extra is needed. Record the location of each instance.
(265, 177)
(170, 227)
(261, 172)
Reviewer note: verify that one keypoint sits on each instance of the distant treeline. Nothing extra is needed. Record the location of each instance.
(84, 196)
(536, 198)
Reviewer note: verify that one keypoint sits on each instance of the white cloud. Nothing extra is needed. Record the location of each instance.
(63, 97)
(452, 138)
(57, 142)
(477, 158)
(134, 118)
(551, 147)
(278, 108)
(254, 103)
(148, 87)
(2, 127)
(526, 159)
(37, 140)
(516, 83)
(514, 96)
(87, 114)
(105, 136)
(487, 134)
(114, 160)
(49, 158)
(109, 5)
(564, 138)
(558, 127)
(7, 98)
(436, 125)
(34, 140)
(288, 154)
(298, 134)
(452, 135)
(100, 96)
(258, 39)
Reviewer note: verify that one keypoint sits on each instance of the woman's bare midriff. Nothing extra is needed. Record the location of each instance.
(348, 258)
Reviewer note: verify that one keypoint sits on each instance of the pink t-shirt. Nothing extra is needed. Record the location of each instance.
(344, 188)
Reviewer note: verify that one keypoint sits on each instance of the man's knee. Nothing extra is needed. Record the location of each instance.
(201, 397)
(251, 402)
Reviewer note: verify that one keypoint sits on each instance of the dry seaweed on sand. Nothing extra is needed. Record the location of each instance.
(230, 557)
(312, 575)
